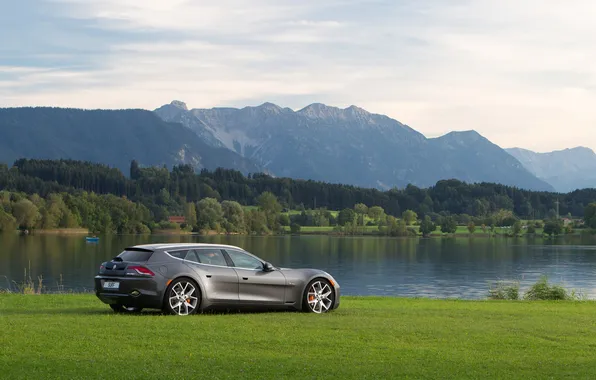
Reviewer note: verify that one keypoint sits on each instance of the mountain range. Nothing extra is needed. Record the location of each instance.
(319, 142)
(112, 137)
(566, 170)
(350, 146)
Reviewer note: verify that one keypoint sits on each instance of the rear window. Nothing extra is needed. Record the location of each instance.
(135, 255)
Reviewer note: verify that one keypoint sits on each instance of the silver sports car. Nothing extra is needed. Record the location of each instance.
(186, 278)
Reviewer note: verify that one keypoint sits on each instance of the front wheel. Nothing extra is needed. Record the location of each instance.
(182, 297)
(319, 296)
(125, 309)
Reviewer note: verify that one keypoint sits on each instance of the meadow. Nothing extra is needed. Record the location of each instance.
(76, 336)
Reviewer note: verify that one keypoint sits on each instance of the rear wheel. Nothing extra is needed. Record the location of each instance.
(125, 309)
(182, 297)
(319, 296)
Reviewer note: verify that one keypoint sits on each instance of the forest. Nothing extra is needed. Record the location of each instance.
(48, 194)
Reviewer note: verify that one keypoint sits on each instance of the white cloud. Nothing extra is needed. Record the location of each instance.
(520, 73)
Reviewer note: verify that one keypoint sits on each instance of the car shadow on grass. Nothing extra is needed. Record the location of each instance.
(149, 312)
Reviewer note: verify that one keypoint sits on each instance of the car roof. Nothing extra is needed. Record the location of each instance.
(155, 246)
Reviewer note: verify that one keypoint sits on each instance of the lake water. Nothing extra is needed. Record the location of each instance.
(435, 268)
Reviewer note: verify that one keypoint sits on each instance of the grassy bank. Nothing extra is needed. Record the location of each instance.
(75, 336)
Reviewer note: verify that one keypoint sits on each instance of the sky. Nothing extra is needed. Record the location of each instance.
(521, 73)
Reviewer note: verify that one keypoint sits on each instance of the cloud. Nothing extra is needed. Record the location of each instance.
(519, 73)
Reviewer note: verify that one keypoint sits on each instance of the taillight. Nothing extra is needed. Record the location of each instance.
(141, 270)
(101, 267)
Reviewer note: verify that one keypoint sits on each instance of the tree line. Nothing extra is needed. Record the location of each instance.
(158, 193)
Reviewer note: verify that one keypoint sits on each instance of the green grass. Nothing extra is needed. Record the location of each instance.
(76, 336)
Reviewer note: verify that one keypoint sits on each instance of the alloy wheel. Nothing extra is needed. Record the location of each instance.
(319, 296)
(183, 298)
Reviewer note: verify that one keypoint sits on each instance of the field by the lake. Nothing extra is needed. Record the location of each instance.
(76, 336)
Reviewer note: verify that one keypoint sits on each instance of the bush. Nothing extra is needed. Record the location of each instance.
(504, 291)
(542, 290)
(295, 228)
(167, 225)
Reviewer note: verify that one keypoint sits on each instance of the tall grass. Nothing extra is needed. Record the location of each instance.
(30, 286)
(504, 290)
(27, 286)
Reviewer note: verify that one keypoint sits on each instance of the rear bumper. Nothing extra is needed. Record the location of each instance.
(136, 292)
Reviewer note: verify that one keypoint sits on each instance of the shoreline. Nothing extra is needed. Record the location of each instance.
(81, 231)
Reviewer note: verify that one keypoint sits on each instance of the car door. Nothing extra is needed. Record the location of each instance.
(219, 279)
(255, 285)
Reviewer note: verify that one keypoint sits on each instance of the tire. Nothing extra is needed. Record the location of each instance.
(319, 296)
(182, 297)
(125, 309)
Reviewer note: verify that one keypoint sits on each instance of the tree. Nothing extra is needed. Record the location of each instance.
(448, 225)
(26, 214)
(295, 228)
(256, 222)
(409, 217)
(7, 221)
(479, 207)
(590, 215)
(361, 209)
(233, 214)
(190, 214)
(396, 227)
(516, 229)
(268, 203)
(471, 227)
(376, 213)
(346, 215)
(505, 218)
(210, 214)
(427, 226)
(531, 229)
(284, 220)
(135, 171)
(553, 227)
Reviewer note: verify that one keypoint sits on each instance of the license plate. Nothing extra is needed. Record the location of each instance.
(111, 285)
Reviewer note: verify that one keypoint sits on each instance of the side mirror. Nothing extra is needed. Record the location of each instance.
(267, 267)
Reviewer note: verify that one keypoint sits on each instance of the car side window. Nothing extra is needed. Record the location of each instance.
(211, 256)
(192, 256)
(180, 254)
(244, 261)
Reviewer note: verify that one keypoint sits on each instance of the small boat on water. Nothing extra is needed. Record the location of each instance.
(92, 239)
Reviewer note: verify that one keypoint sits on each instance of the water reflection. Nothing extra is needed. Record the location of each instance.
(438, 268)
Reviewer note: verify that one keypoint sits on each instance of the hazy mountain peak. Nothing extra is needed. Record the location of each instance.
(462, 136)
(322, 111)
(270, 107)
(179, 104)
(567, 169)
(357, 111)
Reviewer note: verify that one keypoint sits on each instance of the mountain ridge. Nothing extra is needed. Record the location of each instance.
(566, 169)
(352, 146)
(111, 137)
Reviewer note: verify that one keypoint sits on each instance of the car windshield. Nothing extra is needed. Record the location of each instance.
(135, 255)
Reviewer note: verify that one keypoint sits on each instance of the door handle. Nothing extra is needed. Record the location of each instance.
(208, 276)
(245, 278)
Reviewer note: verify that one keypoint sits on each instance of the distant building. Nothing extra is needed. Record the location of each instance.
(177, 219)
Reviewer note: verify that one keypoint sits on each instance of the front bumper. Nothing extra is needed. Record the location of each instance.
(337, 297)
(135, 292)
